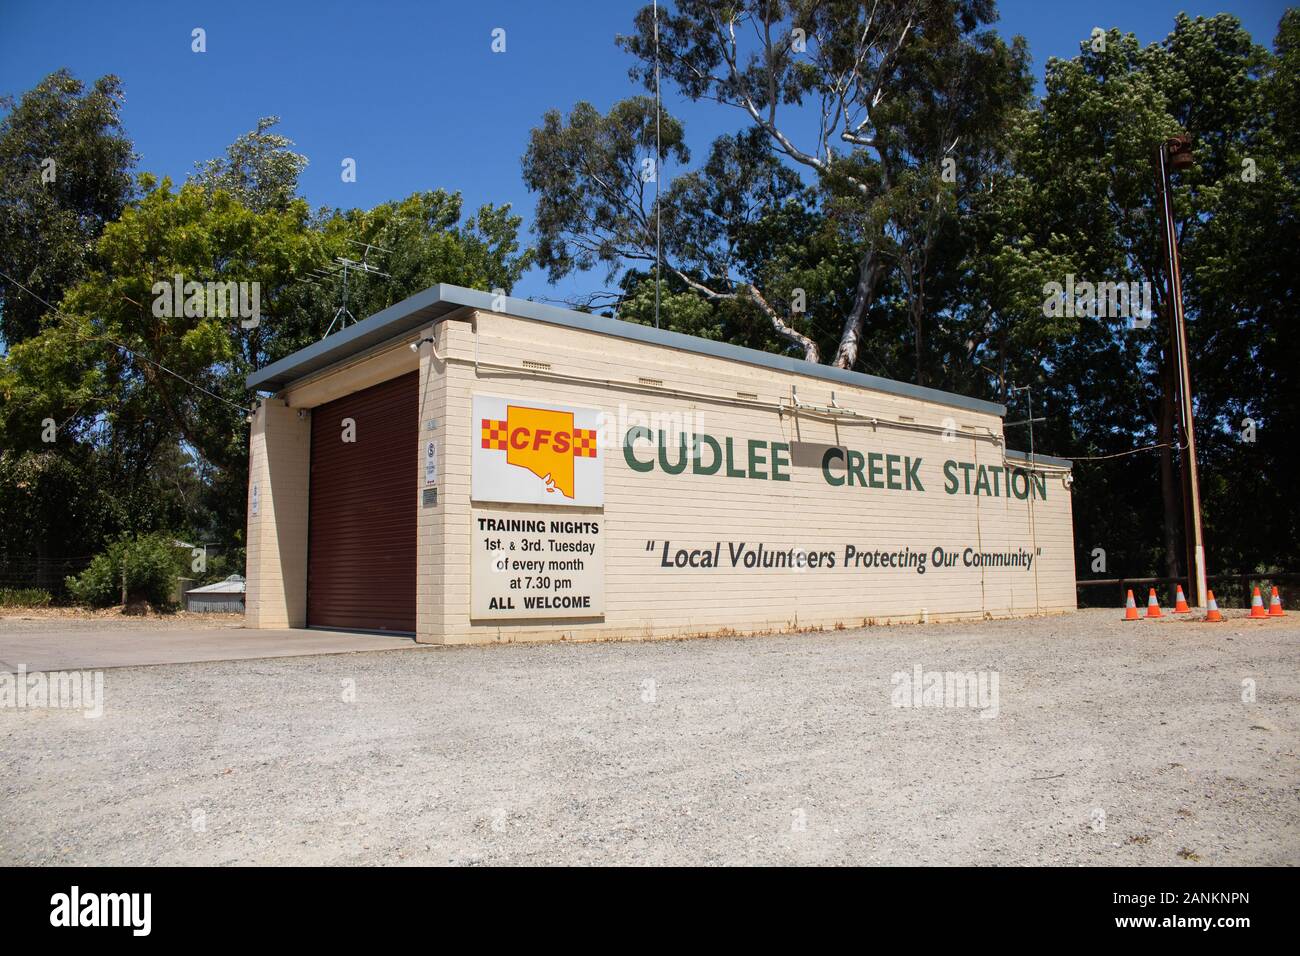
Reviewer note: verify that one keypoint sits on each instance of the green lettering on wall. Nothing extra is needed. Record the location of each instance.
(732, 472)
(855, 468)
(1019, 482)
(778, 462)
(680, 466)
(893, 472)
(914, 474)
(832, 454)
(874, 469)
(996, 472)
(712, 468)
(633, 433)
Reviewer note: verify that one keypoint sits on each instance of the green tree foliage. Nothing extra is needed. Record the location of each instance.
(892, 89)
(427, 241)
(590, 170)
(125, 372)
(148, 566)
(1241, 287)
(829, 239)
(259, 169)
(57, 505)
(144, 390)
(1088, 158)
(64, 173)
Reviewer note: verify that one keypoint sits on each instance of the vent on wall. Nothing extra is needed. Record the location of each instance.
(650, 381)
(537, 366)
(752, 396)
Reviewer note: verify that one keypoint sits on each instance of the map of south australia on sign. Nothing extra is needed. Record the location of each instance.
(536, 453)
(543, 441)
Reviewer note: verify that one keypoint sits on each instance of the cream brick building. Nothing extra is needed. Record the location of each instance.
(480, 469)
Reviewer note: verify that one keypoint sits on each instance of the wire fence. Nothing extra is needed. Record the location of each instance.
(16, 573)
(1231, 589)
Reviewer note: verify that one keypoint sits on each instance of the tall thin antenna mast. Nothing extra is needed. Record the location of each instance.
(1029, 394)
(347, 265)
(658, 154)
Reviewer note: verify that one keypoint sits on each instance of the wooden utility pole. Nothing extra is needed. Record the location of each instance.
(1176, 153)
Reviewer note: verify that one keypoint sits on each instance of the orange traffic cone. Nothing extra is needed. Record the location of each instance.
(1275, 606)
(1130, 607)
(1180, 602)
(1211, 608)
(1257, 605)
(1153, 605)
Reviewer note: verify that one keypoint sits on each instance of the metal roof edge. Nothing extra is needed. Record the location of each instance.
(372, 330)
(1044, 459)
(423, 307)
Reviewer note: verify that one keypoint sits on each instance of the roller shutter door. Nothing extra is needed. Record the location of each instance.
(362, 510)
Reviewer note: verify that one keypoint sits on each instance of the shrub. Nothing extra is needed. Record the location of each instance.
(152, 564)
(24, 597)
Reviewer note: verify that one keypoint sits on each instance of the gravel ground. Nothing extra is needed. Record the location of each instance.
(1113, 743)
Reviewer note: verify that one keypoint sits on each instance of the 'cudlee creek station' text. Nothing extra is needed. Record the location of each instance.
(841, 467)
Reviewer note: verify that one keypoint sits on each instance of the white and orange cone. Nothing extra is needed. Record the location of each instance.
(1153, 605)
(1180, 602)
(1275, 605)
(1257, 605)
(1130, 607)
(1211, 608)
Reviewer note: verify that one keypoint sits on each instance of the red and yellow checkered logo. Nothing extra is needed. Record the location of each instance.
(543, 441)
(494, 435)
(584, 443)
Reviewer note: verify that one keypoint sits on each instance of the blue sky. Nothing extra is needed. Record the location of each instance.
(413, 91)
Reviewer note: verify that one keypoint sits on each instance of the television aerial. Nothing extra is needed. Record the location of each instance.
(342, 268)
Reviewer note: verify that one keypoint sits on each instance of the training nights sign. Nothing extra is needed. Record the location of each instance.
(536, 562)
(533, 564)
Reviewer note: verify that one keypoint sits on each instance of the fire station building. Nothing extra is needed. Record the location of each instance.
(471, 468)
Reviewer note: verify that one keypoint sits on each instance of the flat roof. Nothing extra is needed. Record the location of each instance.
(439, 300)
(221, 587)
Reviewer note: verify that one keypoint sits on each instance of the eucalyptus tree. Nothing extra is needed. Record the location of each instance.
(846, 112)
(65, 172)
(259, 169)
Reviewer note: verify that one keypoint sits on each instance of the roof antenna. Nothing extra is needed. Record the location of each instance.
(346, 265)
(658, 154)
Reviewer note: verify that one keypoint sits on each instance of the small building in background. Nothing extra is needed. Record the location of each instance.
(223, 597)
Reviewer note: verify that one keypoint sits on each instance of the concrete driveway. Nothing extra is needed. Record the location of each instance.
(51, 644)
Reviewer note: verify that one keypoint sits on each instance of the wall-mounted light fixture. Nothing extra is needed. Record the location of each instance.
(415, 346)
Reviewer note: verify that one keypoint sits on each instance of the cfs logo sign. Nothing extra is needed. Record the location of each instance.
(535, 453)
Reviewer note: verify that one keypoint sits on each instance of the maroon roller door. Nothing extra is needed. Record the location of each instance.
(361, 515)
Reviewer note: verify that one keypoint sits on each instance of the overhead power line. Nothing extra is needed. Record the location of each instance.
(125, 348)
(1131, 451)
